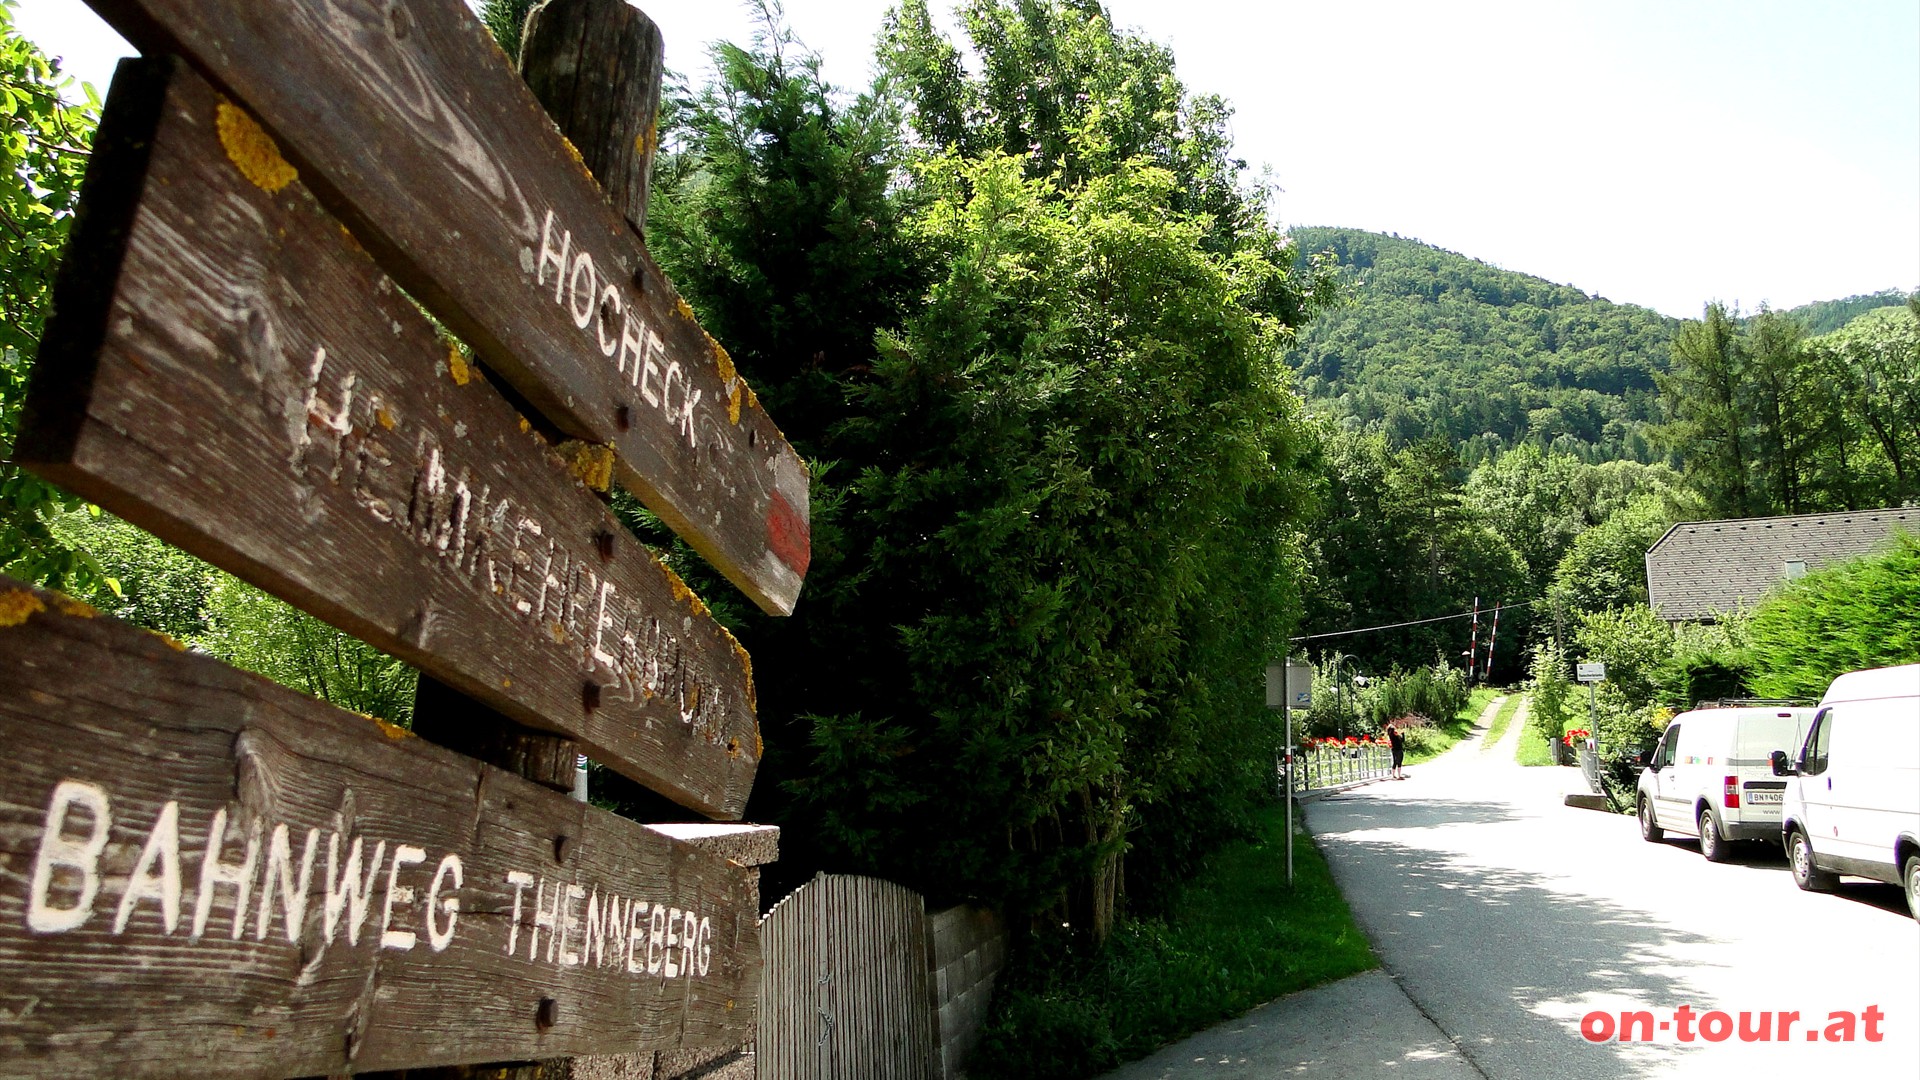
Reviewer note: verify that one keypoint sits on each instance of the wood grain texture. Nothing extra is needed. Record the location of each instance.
(179, 893)
(843, 987)
(410, 124)
(595, 66)
(229, 371)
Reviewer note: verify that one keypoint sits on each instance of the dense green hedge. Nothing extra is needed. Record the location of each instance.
(1862, 614)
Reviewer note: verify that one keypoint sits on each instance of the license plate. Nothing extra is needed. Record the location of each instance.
(1764, 798)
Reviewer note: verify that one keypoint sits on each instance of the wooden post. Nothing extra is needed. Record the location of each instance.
(595, 66)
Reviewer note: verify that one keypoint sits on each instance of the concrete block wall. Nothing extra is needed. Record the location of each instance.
(966, 948)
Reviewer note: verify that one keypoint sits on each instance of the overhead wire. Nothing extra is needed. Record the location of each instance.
(1411, 622)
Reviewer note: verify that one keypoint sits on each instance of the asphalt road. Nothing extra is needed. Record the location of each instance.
(1507, 917)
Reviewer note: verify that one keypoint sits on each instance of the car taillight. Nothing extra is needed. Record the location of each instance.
(1731, 795)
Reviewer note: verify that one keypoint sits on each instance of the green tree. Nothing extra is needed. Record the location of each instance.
(1549, 691)
(1395, 541)
(1706, 393)
(1606, 566)
(1633, 643)
(1055, 520)
(250, 629)
(1787, 411)
(44, 143)
(506, 20)
(1872, 369)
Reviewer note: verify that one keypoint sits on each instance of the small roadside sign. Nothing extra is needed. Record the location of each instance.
(1592, 672)
(1299, 686)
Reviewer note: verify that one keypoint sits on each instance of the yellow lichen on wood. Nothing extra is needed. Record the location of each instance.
(729, 378)
(681, 592)
(746, 668)
(591, 462)
(558, 632)
(722, 361)
(457, 366)
(172, 642)
(17, 606)
(684, 309)
(252, 150)
(384, 417)
(79, 609)
(391, 730)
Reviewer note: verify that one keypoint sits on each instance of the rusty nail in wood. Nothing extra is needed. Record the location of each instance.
(622, 417)
(560, 847)
(603, 543)
(640, 278)
(548, 1015)
(590, 696)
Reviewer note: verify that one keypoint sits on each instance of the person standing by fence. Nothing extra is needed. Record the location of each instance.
(1397, 742)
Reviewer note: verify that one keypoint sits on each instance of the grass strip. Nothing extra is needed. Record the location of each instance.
(1532, 750)
(1237, 938)
(1503, 719)
(1425, 744)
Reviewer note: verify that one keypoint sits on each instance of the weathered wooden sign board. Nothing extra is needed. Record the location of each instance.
(229, 370)
(204, 874)
(407, 121)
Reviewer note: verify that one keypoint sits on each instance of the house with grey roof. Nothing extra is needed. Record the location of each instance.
(1702, 569)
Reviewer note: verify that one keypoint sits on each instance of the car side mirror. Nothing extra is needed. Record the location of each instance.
(1779, 760)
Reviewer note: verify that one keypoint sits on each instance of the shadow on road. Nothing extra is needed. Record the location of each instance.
(1511, 960)
(1770, 859)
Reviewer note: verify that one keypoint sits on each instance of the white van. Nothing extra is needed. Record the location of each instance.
(1711, 776)
(1853, 784)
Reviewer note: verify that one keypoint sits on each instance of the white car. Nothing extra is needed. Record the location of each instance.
(1853, 784)
(1711, 776)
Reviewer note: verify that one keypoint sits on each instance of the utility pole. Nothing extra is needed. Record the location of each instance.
(1473, 641)
(1491, 635)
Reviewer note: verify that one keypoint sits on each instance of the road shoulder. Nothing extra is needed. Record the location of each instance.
(1363, 1025)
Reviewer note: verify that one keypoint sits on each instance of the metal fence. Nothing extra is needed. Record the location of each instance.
(1325, 765)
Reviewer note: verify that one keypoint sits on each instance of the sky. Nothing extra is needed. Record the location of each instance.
(1657, 152)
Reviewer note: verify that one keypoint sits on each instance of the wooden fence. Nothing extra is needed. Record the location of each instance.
(844, 983)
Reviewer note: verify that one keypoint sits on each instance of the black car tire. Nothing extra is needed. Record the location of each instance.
(1711, 844)
(1805, 874)
(1650, 829)
(1910, 873)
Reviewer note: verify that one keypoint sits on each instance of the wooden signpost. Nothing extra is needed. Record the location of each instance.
(230, 371)
(208, 875)
(406, 121)
(204, 874)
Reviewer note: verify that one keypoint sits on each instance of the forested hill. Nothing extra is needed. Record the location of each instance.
(1826, 316)
(1438, 343)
